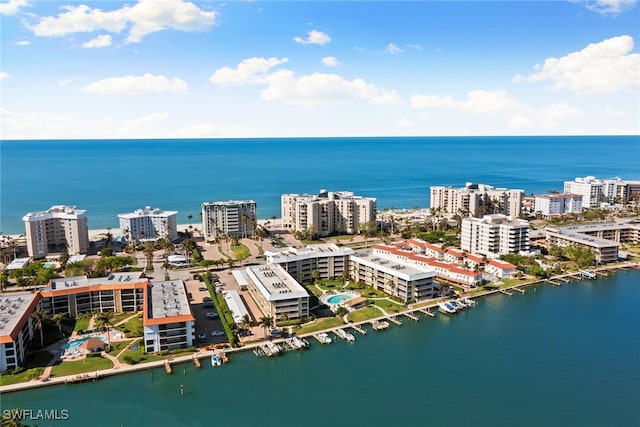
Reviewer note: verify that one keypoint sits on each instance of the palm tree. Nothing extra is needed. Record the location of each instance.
(105, 320)
(245, 322)
(39, 316)
(266, 322)
(58, 318)
(314, 275)
(283, 317)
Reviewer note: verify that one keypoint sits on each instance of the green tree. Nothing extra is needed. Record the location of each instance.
(315, 274)
(341, 311)
(59, 318)
(39, 317)
(266, 322)
(245, 322)
(105, 320)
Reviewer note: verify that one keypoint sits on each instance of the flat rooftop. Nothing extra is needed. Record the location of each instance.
(236, 305)
(309, 251)
(275, 283)
(78, 282)
(13, 309)
(388, 263)
(168, 299)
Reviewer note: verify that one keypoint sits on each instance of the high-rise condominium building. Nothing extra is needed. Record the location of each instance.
(56, 229)
(233, 218)
(595, 191)
(557, 204)
(476, 200)
(327, 212)
(494, 235)
(149, 224)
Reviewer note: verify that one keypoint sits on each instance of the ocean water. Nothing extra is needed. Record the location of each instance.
(555, 356)
(115, 176)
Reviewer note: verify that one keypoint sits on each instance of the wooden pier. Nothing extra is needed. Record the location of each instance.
(551, 282)
(412, 316)
(506, 292)
(82, 378)
(427, 311)
(393, 319)
(519, 290)
(379, 325)
(167, 367)
(359, 329)
(196, 362)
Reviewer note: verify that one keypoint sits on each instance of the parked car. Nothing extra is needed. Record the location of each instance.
(217, 333)
(212, 315)
(206, 299)
(202, 338)
(202, 288)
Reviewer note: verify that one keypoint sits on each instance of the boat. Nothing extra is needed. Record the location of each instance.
(323, 338)
(216, 360)
(345, 335)
(446, 308)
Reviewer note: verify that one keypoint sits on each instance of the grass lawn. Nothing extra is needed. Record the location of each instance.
(133, 327)
(320, 324)
(240, 251)
(389, 307)
(363, 314)
(82, 322)
(134, 357)
(36, 362)
(116, 347)
(88, 364)
(328, 285)
(314, 290)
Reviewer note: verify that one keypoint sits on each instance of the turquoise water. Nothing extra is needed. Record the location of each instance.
(555, 356)
(115, 176)
(76, 343)
(337, 299)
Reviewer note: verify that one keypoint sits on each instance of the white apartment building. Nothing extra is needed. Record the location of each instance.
(58, 228)
(595, 191)
(495, 235)
(168, 321)
(276, 293)
(149, 224)
(327, 212)
(476, 200)
(233, 218)
(550, 205)
(17, 328)
(329, 260)
(398, 273)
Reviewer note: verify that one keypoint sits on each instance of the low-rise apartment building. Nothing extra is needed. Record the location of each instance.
(329, 260)
(17, 328)
(167, 320)
(277, 293)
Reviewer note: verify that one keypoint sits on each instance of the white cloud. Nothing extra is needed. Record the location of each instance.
(138, 127)
(499, 104)
(12, 7)
(143, 18)
(415, 46)
(427, 101)
(322, 89)
(137, 85)
(4, 75)
(610, 7)
(392, 49)
(608, 112)
(403, 122)
(250, 70)
(100, 41)
(23, 43)
(330, 61)
(599, 68)
(39, 125)
(314, 37)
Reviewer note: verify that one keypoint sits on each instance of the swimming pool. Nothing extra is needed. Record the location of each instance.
(73, 345)
(337, 299)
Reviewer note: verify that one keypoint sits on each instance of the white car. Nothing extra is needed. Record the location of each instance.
(217, 333)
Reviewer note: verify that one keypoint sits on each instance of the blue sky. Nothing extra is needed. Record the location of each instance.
(177, 68)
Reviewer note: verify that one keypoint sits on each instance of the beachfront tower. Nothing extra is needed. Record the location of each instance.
(476, 200)
(327, 213)
(494, 235)
(149, 224)
(56, 229)
(233, 218)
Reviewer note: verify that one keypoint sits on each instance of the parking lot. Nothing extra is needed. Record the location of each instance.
(200, 306)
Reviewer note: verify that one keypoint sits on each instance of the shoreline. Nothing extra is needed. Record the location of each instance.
(123, 369)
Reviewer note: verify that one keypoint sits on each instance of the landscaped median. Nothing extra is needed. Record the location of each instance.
(223, 311)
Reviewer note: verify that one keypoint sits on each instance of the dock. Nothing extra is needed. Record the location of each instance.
(412, 316)
(82, 378)
(167, 367)
(519, 290)
(196, 362)
(379, 325)
(393, 319)
(427, 311)
(358, 328)
(551, 282)
(506, 292)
